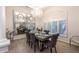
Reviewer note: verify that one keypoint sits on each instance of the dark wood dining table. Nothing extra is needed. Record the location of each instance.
(41, 37)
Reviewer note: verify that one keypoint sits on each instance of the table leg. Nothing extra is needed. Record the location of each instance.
(41, 46)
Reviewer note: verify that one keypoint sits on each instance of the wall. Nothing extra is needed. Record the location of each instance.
(39, 22)
(9, 14)
(2, 23)
(72, 19)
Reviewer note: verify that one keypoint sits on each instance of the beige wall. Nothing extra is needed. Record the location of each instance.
(72, 15)
(9, 14)
(2, 23)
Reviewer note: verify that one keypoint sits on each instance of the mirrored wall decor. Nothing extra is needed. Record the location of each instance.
(21, 21)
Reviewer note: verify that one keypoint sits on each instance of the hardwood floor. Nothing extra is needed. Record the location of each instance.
(20, 46)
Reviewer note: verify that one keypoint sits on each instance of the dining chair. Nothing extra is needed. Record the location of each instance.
(46, 31)
(52, 42)
(33, 41)
(28, 37)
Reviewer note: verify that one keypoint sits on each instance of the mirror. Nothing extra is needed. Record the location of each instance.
(21, 21)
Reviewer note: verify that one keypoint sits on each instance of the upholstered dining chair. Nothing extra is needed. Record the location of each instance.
(52, 43)
(46, 31)
(33, 41)
(28, 37)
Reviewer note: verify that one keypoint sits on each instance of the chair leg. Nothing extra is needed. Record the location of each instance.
(38, 46)
(70, 42)
(31, 45)
(55, 50)
(51, 50)
(34, 48)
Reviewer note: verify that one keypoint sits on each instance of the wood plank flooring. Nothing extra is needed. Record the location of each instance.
(20, 46)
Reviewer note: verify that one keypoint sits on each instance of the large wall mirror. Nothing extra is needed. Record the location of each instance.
(21, 21)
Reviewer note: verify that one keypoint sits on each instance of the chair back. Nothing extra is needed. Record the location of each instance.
(54, 39)
(27, 30)
(27, 35)
(32, 38)
(46, 31)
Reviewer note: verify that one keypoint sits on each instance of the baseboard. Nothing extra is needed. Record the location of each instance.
(66, 40)
(4, 44)
(4, 49)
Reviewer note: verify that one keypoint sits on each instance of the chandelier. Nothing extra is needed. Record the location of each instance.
(37, 11)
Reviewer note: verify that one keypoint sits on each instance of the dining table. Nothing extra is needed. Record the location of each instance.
(42, 37)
